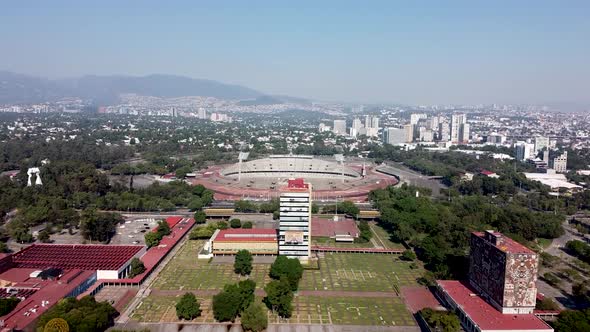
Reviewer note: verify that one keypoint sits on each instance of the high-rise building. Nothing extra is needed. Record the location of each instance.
(202, 114)
(524, 151)
(505, 271)
(375, 123)
(357, 124)
(295, 220)
(339, 127)
(560, 163)
(415, 117)
(409, 133)
(443, 132)
(457, 122)
(541, 143)
(394, 136)
(464, 133)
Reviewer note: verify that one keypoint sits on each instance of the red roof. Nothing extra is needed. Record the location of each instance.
(484, 314)
(47, 293)
(507, 244)
(486, 172)
(246, 235)
(297, 184)
(329, 228)
(75, 256)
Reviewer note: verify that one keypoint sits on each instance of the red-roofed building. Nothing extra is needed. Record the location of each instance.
(258, 241)
(109, 261)
(478, 315)
(489, 174)
(501, 292)
(505, 271)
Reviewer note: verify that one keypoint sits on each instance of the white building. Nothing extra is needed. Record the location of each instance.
(524, 151)
(394, 136)
(459, 128)
(295, 220)
(339, 127)
(541, 143)
(560, 163)
(414, 118)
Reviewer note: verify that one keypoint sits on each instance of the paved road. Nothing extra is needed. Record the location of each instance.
(414, 178)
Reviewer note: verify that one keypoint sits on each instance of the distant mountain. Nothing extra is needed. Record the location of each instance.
(17, 88)
(262, 100)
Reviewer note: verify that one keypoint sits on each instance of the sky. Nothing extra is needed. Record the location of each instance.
(415, 52)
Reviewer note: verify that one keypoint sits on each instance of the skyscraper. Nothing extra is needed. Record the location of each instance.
(339, 127)
(409, 133)
(524, 151)
(457, 122)
(541, 143)
(295, 220)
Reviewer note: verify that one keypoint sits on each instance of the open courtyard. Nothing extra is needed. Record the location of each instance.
(347, 289)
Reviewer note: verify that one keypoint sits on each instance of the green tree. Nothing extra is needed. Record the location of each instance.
(195, 204)
(247, 224)
(235, 223)
(99, 226)
(573, 321)
(279, 297)
(152, 239)
(84, 315)
(137, 267)
(8, 304)
(163, 228)
(225, 306)
(290, 268)
(44, 236)
(254, 318)
(243, 262)
(188, 307)
(408, 255)
(441, 320)
(200, 217)
(222, 225)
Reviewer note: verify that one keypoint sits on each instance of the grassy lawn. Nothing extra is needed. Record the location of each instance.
(382, 237)
(348, 311)
(186, 272)
(360, 272)
(307, 310)
(328, 242)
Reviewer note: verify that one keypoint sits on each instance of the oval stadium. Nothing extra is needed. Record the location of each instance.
(261, 179)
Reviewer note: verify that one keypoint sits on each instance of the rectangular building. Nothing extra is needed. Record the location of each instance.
(505, 271)
(295, 220)
(394, 136)
(339, 127)
(257, 241)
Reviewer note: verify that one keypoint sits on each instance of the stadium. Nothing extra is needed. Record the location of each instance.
(260, 179)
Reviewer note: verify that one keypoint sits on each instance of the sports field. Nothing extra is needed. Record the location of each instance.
(348, 289)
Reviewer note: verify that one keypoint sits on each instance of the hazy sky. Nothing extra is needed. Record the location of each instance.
(420, 52)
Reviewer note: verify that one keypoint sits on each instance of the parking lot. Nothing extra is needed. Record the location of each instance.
(133, 230)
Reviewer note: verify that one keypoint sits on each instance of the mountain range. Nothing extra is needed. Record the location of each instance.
(19, 88)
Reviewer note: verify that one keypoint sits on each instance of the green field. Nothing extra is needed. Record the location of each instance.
(186, 272)
(328, 242)
(338, 272)
(383, 238)
(360, 272)
(388, 311)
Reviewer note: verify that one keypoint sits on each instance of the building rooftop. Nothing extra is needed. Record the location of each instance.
(506, 244)
(297, 184)
(484, 314)
(246, 235)
(75, 256)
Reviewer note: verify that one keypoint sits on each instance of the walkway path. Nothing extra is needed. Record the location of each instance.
(261, 293)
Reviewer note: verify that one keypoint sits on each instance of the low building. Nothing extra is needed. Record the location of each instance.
(257, 241)
(553, 180)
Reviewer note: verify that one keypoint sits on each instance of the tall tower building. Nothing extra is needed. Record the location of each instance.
(541, 143)
(295, 220)
(560, 163)
(339, 127)
(505, 271)
(375, 122)
(409, 131)
(457, 121)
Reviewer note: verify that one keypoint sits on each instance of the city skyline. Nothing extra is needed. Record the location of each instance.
(462, 53)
